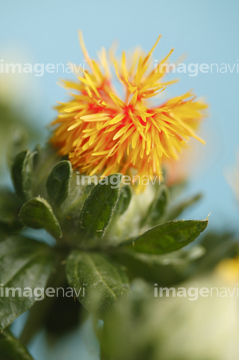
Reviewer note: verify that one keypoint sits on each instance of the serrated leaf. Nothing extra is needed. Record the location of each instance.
(11, 348)
(105, 281)
(124, 200)
(58, 182)
(99, 206)
(168, 237)
(38, 214)
(24, 263)
(21, 173)
(177, 210)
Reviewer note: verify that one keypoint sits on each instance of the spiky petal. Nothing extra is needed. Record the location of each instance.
(105, 133)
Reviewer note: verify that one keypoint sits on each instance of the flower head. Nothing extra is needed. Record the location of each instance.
(105, 133)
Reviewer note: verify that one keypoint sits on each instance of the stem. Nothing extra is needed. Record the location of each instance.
(40, 309)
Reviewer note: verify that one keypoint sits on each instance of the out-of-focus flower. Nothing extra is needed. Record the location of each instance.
(228, 270)
(177, 327)
(104, 133)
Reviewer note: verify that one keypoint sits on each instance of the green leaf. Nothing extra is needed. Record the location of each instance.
(178, 257)
(58, 182)
(69, 215)
(168, 237)
(76, 197)
(177, 210)
(9, 207)
(158, 207)
(145, 266)
(105, 281)
(99, 206)
(11, 348)
(124, 200)
(44, 160)
(38, 214)
(24, 264)
(21, 175)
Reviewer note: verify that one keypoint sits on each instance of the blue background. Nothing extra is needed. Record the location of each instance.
(206, 31)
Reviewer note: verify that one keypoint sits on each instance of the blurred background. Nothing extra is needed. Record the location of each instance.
(205, 31)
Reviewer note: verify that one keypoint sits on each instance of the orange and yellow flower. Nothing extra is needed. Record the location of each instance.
(105, 133)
